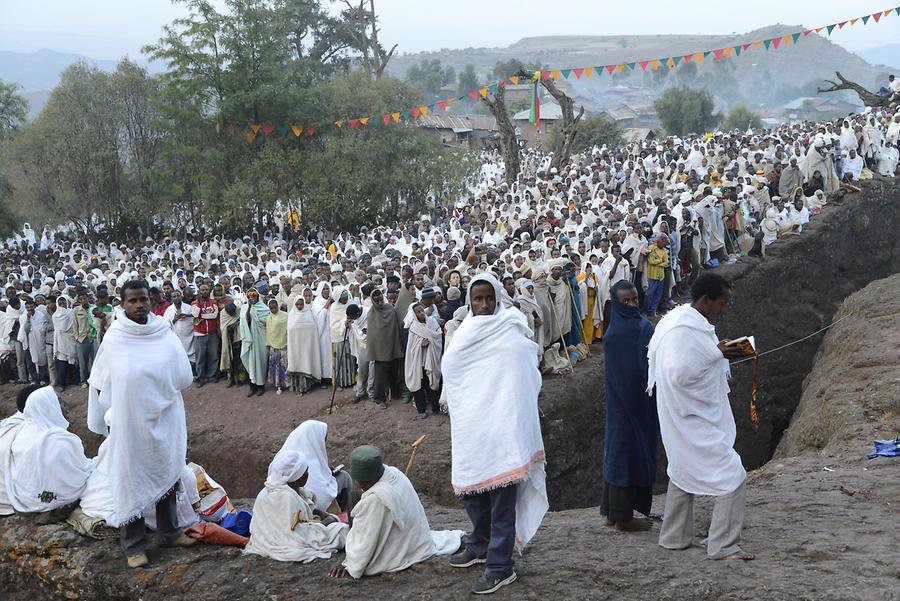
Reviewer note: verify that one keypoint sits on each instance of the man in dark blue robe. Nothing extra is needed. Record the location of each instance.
(632, 426)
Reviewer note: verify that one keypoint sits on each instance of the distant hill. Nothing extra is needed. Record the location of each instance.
(757, 76)
(883, 55)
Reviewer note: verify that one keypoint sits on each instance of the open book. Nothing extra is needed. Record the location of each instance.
(747, 344)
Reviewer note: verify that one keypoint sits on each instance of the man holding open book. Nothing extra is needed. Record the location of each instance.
(689, 367)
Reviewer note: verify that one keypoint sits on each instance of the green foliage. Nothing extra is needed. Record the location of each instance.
(593, 131)
(683, 110)
(13, 110)
(742, 117)
(468, 80)
(503, 69)
(429, 77)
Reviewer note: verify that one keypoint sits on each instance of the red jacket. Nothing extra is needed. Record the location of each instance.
(208, 322)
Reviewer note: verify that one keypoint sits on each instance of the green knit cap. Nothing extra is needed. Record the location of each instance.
(366, 463)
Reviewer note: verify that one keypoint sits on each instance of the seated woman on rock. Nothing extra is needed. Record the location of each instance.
(286, 525)
(389, 530)
(42, 464)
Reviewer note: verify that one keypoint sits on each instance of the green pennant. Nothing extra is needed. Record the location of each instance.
(707, 53)
(599, 69)
(565, 73)
(865, 19)
(767, 43)
(492, 88)
(282, 130)
(631, 65)
(796, 36)
(736, 50)
(405, 114)
(676, 60)
(831, 27)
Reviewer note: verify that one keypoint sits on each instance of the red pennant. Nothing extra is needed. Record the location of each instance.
(443, 104)
(841, 24)
(309, 131)
(354, 123)
(747, 45)
(610, 68)
(578, 72)
(268, 128)
(643, 65)
(687, 57)
(386, 118)
(876, 16)
(718, 53)
(807, 32)
(414, 113)
(473, 95)
(545, 74)
(776, 42)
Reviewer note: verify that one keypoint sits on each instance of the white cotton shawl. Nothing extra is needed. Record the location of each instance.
(63, 336)
(430, 356)
(390, 529)
(304, 350)
(44, 466)
(309, 439)
(337, 316)
(139, 373)
(492, 381)
(695, 419)
(9, 427)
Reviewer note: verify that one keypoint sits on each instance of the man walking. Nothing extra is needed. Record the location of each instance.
(497, 449)
(688, 365)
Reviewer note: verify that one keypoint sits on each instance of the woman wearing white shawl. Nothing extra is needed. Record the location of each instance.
(532, 311)
(286, 526)
(304, 350)
(422, 369)
(309, 439)
(497, 449)
(690, 372)
(343, 373)
(63, 341)
(321, 307)
(32, 335)
(44, 465)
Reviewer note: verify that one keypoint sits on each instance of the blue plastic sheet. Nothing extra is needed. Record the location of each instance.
(886, 448)
(239, 522)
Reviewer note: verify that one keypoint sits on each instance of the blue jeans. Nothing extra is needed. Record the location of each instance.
(206, 349)
(83, 355)
(654, 294)
(493, 516)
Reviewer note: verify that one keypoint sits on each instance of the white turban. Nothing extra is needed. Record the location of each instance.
(288, 466)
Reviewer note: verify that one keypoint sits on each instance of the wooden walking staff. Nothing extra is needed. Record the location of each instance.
(415, 447)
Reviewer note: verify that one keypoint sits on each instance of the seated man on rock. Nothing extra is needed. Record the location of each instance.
(389, 530)
(42, 464)
(286, 525)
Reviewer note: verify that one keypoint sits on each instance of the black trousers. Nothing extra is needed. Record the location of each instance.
(387, 380)
(426, 397)
(133, 535)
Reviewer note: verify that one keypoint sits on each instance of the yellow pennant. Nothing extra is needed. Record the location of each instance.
(250, 135)
(555, 74)
(297, 130)
(395, 117)
(671, 63)
(699, 57)
(450, 101)
(853, 21)
(424, 111)
(364, 120)
(588, 71)
(818, 29)
(255, 127)
(483, 92)
(515, 80)
(620, 67)
(786, 39)
(339, 123)
(728, 51)
(757, 43)
(655, 64)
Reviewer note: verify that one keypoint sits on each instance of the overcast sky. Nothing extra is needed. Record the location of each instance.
(112, 28)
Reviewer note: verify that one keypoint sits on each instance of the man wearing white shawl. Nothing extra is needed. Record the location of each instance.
(304, 350)
(689, 368)
(42, 464)
(424, 347)
(390, 530)
(286, 525)
(63, 342)
(139, 373)
(309, 439)
(497, 449)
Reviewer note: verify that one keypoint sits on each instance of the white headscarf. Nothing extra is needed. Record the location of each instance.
(309, 439)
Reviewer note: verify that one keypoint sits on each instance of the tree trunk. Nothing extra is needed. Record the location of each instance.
(565, 139)
(509, 144)
(868, 98)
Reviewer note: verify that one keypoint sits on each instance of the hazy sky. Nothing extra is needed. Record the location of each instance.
(112, 28)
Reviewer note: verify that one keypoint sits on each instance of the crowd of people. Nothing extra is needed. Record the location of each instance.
(518, 279)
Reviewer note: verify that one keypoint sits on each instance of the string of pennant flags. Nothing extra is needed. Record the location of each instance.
(251, 131)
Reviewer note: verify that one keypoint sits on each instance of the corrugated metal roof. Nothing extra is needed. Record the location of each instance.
(462, 122)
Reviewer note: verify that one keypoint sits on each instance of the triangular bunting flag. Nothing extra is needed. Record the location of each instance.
(718, 53)
(395, 117)
(841, 24)
(354, 123)
(450, 101)
(830, 28)
(545, 74)
(565, 73)
(853, 21)
(643, 65)
(737, 50)
(424, 111)
(676, 60)
(515, 80)
(473, 95)
(876, 16)
(707, 53)
(796, 37)
(364, 120)
(483, 92)
(298, 130)
(699, 56)
(670, 63)
(493, 87)
(578, 72)
(588, 71)
(310, 130)
(443, 104)
(255, 128)
(386, 118)
(268, 129)
(610, 68)
(776, 42)
(728, 51)
(250, 136)
(339, 123)
(819, 29)
(405, 114)
(807, 32)
(687, 57)
(767, 43)
(555, 74)
(747, 45)
(757, 43)
(655, 64)
(888, 11)
(620, 67)
(786, 39)
(865, 19)
(282, 130)
(415, 113)
(630, 66)
(501, 83)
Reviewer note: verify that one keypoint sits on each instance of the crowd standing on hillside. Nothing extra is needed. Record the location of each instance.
(536, 271)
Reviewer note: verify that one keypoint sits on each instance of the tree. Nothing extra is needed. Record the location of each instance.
(568, 128)
(503, 69)
(742, 117)
(13, 110)
(509, 143)
(593, 131)
(868, 98)
(468, 79)
(364, 32)
(683, 110)
(429, 77)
